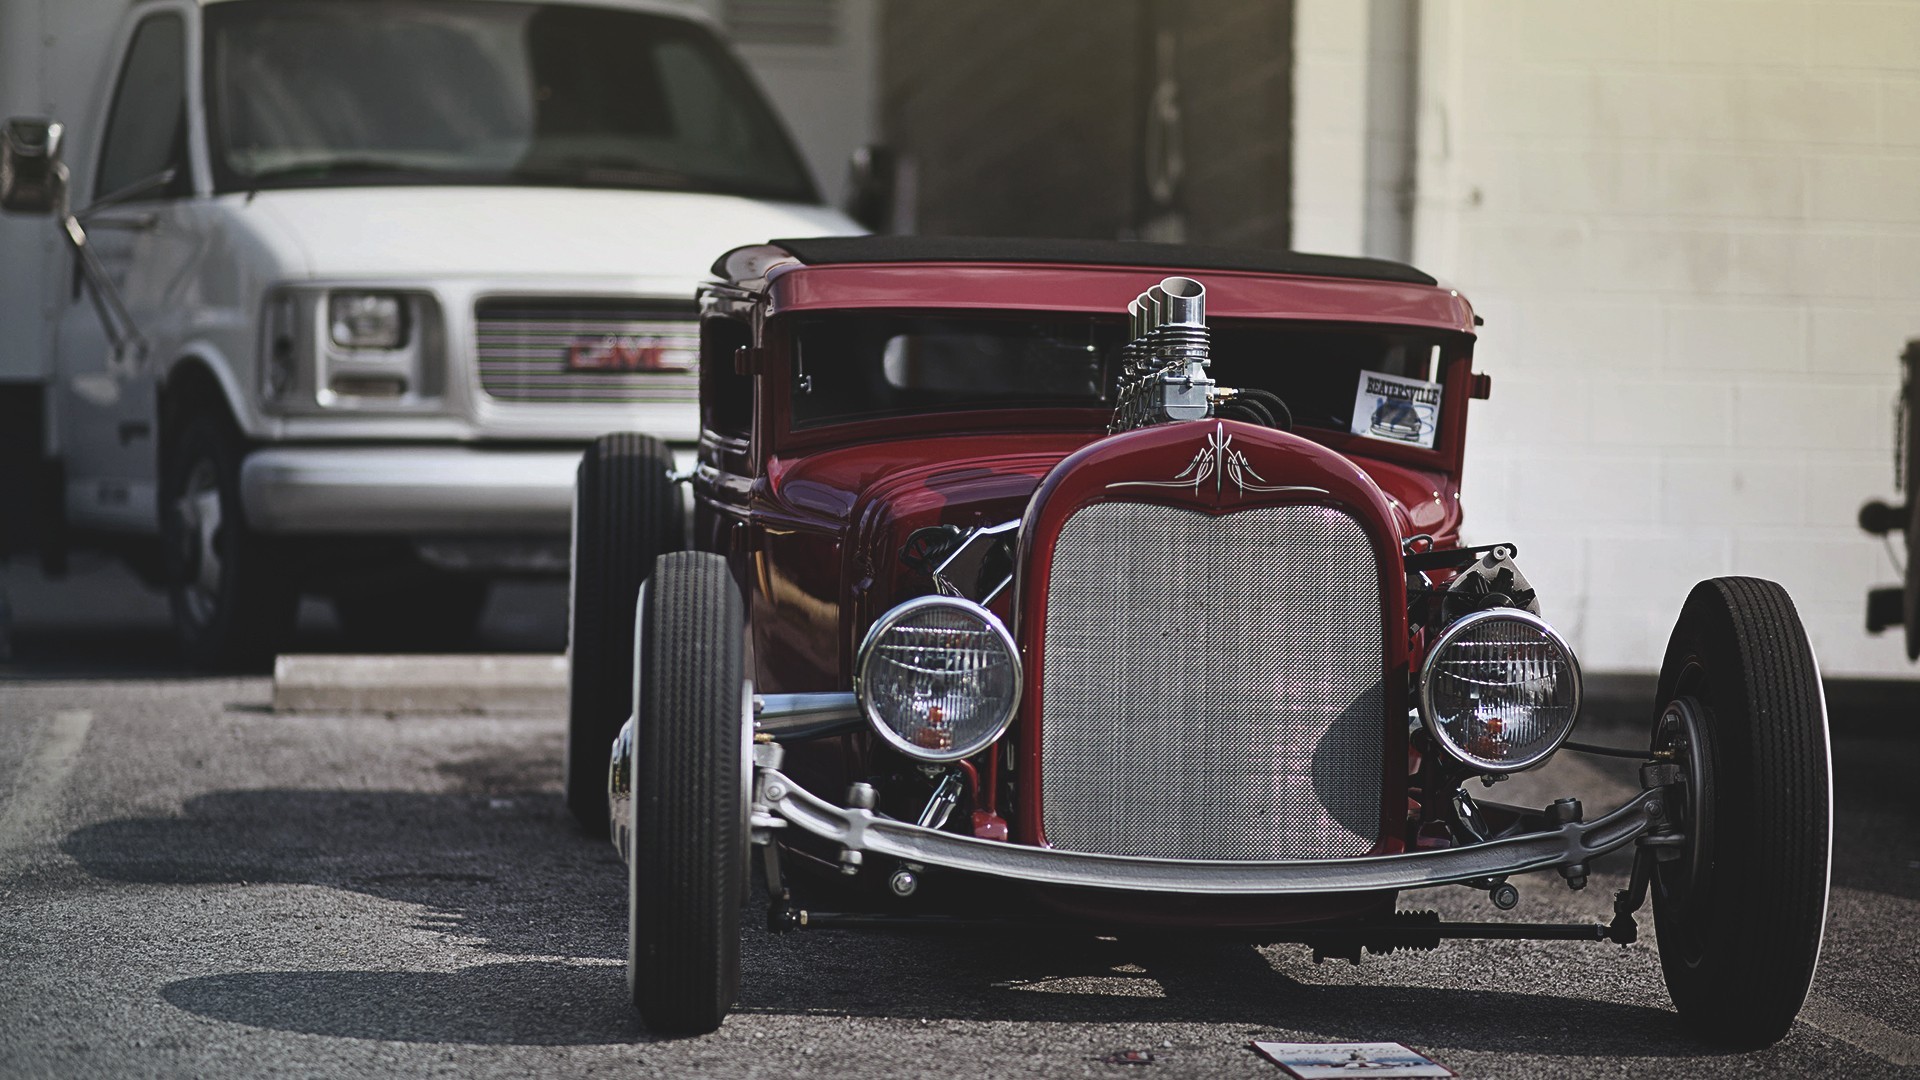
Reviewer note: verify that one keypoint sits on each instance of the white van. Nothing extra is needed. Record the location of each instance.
(347, 284)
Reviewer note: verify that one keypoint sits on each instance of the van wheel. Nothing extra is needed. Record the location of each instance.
(233, 599)
(687, 869)
(1741, 911)
(430, 613)
(626, 512)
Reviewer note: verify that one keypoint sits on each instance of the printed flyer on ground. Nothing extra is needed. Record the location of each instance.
(1396, 408)
(1318, 1061)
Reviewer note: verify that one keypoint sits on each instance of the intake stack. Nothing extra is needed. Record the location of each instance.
(1164, 365)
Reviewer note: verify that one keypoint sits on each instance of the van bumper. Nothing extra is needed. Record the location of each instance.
(409, 490)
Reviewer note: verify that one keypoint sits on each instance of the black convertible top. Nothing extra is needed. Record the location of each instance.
(825, 250)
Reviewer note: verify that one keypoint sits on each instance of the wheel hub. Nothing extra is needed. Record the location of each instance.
(198, 510)
(1682, 884)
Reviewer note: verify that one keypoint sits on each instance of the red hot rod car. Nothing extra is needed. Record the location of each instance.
(1122, 585)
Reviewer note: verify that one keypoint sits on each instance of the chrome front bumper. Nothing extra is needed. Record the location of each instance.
(779, 803)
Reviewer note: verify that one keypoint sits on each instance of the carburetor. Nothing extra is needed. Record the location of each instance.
(1164, 364)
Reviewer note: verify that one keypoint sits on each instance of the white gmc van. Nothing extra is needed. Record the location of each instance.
(347, 284)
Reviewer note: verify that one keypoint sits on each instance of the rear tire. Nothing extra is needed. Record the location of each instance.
(1741, 912)
(687, 871)
(626, 512)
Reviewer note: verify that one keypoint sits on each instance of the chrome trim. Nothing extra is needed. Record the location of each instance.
(940, 804)
(1446, 638)
(778, 798)
(885, 623)
(959, 573)
(799, 716)
(1217, 460)
(1164, 365)
(620, 792)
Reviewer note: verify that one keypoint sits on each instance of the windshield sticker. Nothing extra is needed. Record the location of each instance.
(1391, 407)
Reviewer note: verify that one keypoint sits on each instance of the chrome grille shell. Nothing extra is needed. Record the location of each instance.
(1212, 686)
(523, 345)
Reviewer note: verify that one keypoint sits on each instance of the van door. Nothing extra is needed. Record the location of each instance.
(138, 225)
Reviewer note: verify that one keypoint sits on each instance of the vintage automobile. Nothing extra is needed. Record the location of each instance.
(1066, 583)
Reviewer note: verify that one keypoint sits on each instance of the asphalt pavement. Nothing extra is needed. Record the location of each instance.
(194, 885)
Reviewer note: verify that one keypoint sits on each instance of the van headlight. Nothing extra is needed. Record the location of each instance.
(1500, 690)
(938, 678)
(367, 320)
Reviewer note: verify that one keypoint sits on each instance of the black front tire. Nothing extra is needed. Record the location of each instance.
(1741, 912)
(232, 596)
(687, 870)
(626, 512)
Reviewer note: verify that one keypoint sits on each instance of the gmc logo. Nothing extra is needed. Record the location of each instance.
(622, 354)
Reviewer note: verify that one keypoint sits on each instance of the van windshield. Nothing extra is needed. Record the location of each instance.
(306, 93)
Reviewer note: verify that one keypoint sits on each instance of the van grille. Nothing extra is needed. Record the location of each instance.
(1213, 686)
(543, 349)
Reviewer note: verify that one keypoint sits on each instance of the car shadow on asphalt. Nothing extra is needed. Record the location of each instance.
(499, 871)
(492, 869)
(1082, 979)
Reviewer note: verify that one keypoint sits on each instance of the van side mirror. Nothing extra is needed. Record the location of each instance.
(872, 175)
(32, 178)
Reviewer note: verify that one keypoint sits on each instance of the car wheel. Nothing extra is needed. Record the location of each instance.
(687, 870)
(233, 600)
(1741, 910)
(626, 511)
(427, 613)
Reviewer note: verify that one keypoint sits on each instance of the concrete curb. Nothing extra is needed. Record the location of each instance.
(416, 685)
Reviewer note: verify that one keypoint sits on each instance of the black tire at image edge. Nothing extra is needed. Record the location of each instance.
(1739, 949)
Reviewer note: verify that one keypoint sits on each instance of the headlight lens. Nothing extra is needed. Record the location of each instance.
(1500, 690)
(367, 320)
(939, 678)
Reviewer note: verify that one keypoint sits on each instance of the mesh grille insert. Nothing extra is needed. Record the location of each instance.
(1213, 686)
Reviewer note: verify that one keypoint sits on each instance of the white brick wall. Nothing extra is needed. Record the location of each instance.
(1329, 124)
(1694, 230)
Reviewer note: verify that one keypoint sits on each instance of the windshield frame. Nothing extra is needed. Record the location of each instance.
(356, 169)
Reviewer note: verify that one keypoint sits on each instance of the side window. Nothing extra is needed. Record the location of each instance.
(147, 126)
(726, 396)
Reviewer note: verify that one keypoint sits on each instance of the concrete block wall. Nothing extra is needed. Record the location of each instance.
(1329, 125)
(1694, 230)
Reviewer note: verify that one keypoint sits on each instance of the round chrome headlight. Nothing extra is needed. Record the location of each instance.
(1500, 690)
(938, 677)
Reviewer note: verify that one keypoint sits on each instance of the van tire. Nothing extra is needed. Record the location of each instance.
(232, 595)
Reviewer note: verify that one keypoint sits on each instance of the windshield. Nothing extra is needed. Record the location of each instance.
(851, 367)
(330, 92)
(1320, 371)
(861, 367)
